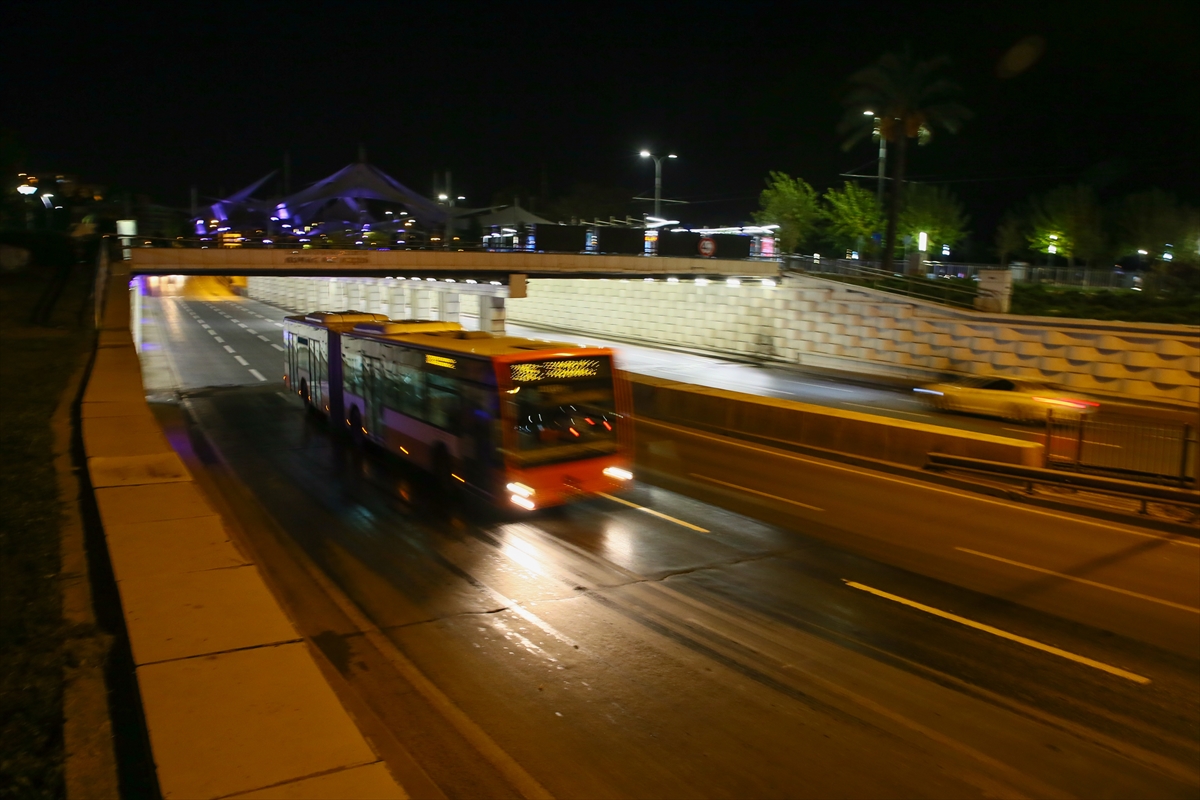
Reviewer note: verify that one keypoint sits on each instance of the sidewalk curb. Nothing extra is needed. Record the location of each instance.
(89, 755)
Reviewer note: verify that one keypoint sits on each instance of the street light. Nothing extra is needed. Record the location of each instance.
(657, 178)
(882, 156)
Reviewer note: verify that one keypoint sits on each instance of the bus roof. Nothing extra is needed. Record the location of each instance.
(338, 318)
(434, 335)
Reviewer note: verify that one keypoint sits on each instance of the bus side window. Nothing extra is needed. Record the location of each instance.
(443, 402)
(411, 390)
(352, 373)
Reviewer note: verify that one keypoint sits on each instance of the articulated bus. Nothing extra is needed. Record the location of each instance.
(521, 421)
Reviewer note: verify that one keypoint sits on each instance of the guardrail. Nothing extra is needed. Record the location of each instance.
(1155, 449)
(1142, 492)
(948, 292)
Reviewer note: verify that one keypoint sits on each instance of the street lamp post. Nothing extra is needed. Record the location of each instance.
(657, 179)
(882, 157)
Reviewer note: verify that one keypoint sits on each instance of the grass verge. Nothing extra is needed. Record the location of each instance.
(36, 362)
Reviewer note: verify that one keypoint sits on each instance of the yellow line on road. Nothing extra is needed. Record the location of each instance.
(1012, 637)
(1084, 581)
(655, 513)
(754, 491)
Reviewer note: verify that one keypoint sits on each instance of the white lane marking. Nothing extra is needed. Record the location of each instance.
(251, 331)
(885, 411)
(206, 326)
(228, 349)
(241, 361)
(257, 374)
(1084, 581)
(927, 487)
(277, 347)
(655, 513)
(1012, 637)
(218, 339)
(265, 339)
(211, 332)
(754, 491)
(241, 325)
(277, 324)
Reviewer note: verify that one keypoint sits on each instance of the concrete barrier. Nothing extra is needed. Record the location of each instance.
(234, 702)
(789, 422)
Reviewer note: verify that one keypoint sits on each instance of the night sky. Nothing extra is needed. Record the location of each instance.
(158, 98)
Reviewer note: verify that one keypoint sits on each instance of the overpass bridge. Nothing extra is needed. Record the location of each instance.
(458, 264)
(420, 284)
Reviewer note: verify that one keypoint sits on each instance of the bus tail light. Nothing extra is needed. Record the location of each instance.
(523, 502)
(618, 473)
(520, 490)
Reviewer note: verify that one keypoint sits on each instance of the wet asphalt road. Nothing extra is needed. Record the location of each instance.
(696, 652)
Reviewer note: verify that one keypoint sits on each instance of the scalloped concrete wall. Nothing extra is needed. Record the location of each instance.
(819, 323)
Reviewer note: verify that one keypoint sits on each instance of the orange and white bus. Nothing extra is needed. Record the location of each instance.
(526, 422)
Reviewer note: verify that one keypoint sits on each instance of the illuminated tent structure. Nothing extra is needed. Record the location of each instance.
(357, 197)
(344, 197)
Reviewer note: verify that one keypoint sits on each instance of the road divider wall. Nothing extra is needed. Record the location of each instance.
(233, 699)
(791, 423)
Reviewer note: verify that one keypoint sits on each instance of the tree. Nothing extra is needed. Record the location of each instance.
(1011, 236)
(1068, 219)
(1152, 220)
(910, 101)
(936, 211)
(791, 204)
(853, 217)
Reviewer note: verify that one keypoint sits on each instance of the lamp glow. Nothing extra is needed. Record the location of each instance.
(923, 241)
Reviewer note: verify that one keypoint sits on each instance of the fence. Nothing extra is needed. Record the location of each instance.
(1135, 448)
(863, 273)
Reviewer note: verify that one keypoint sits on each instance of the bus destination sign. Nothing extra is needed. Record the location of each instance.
(532, 372)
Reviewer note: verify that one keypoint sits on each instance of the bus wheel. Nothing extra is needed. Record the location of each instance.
(356, 431)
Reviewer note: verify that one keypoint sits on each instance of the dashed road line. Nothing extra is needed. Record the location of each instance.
(229, 349)
(264, 338)
(218, 339)
(658, 514)
(257, 374)
(241, 361)
(211, 332)
(1012, 637)
(252, 332)
(277, 347)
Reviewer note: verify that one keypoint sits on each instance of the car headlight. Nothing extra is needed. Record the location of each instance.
(520, 489)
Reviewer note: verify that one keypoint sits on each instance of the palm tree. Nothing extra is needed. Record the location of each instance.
(909, 101)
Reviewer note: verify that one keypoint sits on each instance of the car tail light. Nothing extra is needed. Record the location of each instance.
(1067, 402)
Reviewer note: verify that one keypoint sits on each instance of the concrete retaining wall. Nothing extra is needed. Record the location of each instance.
(820, 323)
(867, 435)
(815, 323)
(233, 699)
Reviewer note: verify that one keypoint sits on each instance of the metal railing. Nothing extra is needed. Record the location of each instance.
(866, 274)
(1133, 448)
